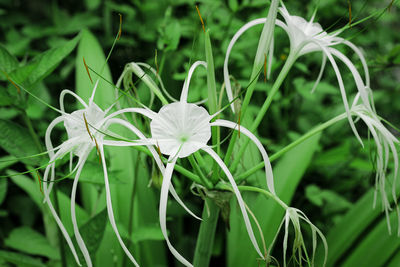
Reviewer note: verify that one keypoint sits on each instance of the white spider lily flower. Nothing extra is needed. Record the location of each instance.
(86, 129)
(385, 145)
(307, 37)
(182, 128)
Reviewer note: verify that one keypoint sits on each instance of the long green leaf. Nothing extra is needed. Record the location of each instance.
(377, 246)
(42, 65)
(19, 259)
(26, 240)
(16, 141)
(343, 235)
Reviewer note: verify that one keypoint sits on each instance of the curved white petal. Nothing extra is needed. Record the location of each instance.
(357, 78)
(66, 91)
(362, 58)
(146, 112)
(321, 72)
(342, 91)
(56, 217)
(268, 167)
(185, 89)
(78, 236)
(110, 208)
(243, 29)
(163, 208)
(238, 197)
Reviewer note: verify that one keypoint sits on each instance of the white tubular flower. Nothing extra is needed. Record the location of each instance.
(385, 145)
(182, 128)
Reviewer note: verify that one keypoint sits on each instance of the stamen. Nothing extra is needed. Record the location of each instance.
(201, 19)
(390, 5)
(120, 27)
(87, 127)
(240, 112)
(265, 68)
(87, 69)
(11, 81)
(40, 182)
(98, 150)
(155, 61)
(158, 150)
(350, 17)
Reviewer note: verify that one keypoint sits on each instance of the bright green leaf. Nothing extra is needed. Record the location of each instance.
(20, 260)
(26, 240)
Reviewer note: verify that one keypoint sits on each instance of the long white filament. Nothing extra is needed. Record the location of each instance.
(110, 208)
(268, 167)
(227, 81)
(185, 88)
(163, 207)
(78, 236)
(238, 197)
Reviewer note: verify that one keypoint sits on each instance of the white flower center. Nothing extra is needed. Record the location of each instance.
(182, 127)
(76, 126)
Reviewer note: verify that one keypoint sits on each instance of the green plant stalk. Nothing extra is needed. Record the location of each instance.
(208, 184)
(205, 238)
(212, 96)
(31, 130)
(278, 154)
(282, 75)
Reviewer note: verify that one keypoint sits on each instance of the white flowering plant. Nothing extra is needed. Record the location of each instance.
(230, 112)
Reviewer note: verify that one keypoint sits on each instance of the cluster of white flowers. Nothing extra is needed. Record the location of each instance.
(180, 129)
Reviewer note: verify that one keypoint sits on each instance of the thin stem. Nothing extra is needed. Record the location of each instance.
(260, 115)
(200, 173)
(205, 238)
(281, 152)
(31, 130)
(266, 193)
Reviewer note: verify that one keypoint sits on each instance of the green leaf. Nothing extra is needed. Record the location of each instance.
(92, 4)
(44, 64)
(16, 141)
(350, 228)
(19, 259)
(377, 246)
(27, 185)
(26, 240)
(3, 189)
(7, 62)
(92, 233)
(268, 213)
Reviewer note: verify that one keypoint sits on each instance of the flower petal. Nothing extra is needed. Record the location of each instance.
(110, 208)
(243, 130)
(238, 197)
(185, 89)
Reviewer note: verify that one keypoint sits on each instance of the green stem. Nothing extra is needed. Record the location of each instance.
(278, 154)
(254, 189)
(260, 115)
(31, 131)
(200, 173)
(205, 238)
